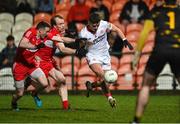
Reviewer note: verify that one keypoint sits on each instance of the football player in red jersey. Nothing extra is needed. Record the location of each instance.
(25, 64)
(46, 53)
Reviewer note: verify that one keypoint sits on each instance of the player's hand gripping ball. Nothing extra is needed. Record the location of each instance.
(110, 76)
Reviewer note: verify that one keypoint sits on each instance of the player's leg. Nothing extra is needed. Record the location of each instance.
(94, 61)
(39, 76)
(31, 86)
(27, 82)
(97, 68)
(46, 67)
(41, 83)
(174, 61)
(143, 96)
(19, 74)
(91, 85)
(18, 94)
(62, 87)
(38, 83)
(154, 66)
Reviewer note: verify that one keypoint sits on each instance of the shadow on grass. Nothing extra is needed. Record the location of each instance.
(50, 109)
(83, 109)
(9, 109)
(71, 109)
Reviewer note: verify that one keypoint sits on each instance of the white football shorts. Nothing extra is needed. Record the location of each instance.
(104, 60)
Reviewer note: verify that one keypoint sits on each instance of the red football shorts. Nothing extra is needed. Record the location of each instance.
(46, 66)
(20, 71)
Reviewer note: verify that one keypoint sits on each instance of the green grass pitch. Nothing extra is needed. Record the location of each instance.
(95, 109)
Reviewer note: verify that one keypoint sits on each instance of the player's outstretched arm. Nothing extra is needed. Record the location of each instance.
(148, 26)
(79, 51)
(116, 29)
(79, 41)
(56, 38)
(65, 49)
(68, 39)
(121, 34)
(25, 43)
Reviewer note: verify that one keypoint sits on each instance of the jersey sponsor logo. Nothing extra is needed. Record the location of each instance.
(89, 39)
(100, 38)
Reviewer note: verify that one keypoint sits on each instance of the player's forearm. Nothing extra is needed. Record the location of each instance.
(24, 43)
(63, 39)
(68, 39)
(57, 38)
(119, 32)
(27, 46)
(65, 50)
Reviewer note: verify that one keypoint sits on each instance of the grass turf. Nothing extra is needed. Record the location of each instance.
(94, 109)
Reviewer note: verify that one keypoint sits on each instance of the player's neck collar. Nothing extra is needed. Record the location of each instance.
(89, 29)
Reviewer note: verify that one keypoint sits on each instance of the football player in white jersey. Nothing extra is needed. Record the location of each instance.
(98, 51)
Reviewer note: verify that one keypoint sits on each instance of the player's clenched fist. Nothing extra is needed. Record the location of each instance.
(81, 52)
(127, 44)
(80, 42)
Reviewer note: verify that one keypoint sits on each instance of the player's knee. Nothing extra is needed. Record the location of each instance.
(43, 81)
(47, 89)
(20, 93)
(148, 79)
(61, 80)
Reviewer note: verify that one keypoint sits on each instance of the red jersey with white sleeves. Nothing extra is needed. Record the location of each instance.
(26, 56)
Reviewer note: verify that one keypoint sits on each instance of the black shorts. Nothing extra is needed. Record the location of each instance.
(162, 55)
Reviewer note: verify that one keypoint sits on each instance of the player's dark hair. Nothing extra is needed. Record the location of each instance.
(53, 19)
(94, 18)
(9, 38)
(42, 24)
(170, 2)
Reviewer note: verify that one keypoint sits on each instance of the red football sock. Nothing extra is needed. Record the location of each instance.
(65, 104)
(108, 94)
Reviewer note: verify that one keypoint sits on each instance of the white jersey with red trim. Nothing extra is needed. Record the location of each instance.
(99, 41)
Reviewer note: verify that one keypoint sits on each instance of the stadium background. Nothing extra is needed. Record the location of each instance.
(77, 71)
